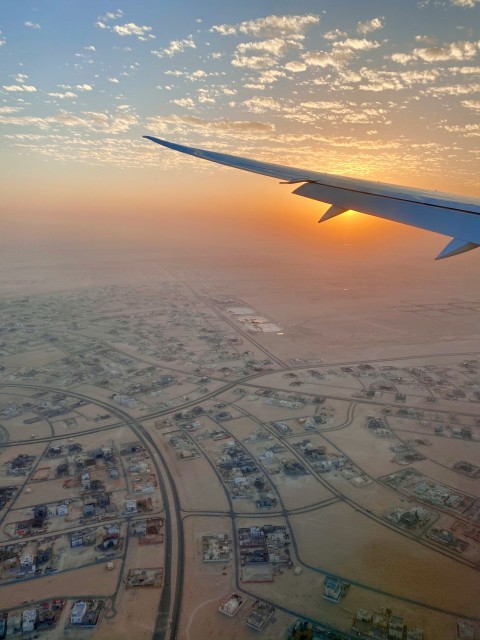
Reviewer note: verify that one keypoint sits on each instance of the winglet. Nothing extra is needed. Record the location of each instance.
(332, 212)
(455, 247)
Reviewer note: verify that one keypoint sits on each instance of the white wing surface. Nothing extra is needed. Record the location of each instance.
(450, 215)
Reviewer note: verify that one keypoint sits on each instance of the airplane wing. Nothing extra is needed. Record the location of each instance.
(443, 213)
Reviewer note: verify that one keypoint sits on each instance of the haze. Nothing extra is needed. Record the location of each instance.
(217, 417)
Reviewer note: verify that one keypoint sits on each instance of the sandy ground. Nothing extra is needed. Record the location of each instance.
(336, 315)
(206, 587)
(349, 544)
(195, 480)
(94, 580)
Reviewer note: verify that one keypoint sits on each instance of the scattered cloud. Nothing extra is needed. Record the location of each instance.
(462, 50)
(270, 75)
(274, 46)
(92, 120)
(455, 90)
(84, 87)
(426, 39)
(337, 58)
(132, 29)
(370, 25)
(220, 125)
(9, 109)
(90, 47)
(466, 4)
(261, 105)
(357, 44)
(269, 26)
(471, 104)
(176, 46)
(374, 80)
(402, 58)
(2, 40)
(20, 87)
(188, 103)
(465, 70)
(102, 21)
(141, 32)
(254, 62)
(335, 34)
(295, 66)
(32, 25)
(62, 96)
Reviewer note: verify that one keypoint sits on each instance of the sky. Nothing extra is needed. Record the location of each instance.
(382, 89)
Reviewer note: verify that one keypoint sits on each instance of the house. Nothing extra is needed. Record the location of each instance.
(78, 612)
(29, 618)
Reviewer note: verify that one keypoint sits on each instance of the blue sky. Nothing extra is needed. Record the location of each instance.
(381, 89)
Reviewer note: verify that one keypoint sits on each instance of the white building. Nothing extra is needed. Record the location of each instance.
(78, 612)
(29, 617)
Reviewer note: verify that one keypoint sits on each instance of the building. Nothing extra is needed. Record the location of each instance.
(78, 612)
(395, 627)
(86, 481)
(334, 589)
(3, 624)
(29, 618)
(232, 604)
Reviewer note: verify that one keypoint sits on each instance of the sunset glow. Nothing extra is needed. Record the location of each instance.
(386, 94)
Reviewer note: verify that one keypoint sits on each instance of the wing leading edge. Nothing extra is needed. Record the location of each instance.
(446, 214)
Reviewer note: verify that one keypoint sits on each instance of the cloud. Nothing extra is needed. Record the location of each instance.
(142, 32)
(9, 109)
(395, 80)
(176, 46)
(370, 25)
(427, 39)
(462, 50)
(270, 75)
(471, 104)
(254, 62)
(32, 25)
(101, 22)
(90, 47)
(260, 105)
(199, 74)
(92, 120)
(269, 26)
(465, 70)
(455, 90)
(224, 29)
(469, 130)
(62, 96)
(334, 34)
(402, 58)
(220, 125)
(337, 58)
(273, 46)
(188, 103)
(295, 66)
(356, 44)
(84, 87)
(466, 4)
(2, 40)
(132, 29)
(20, 87)
(113, 80)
